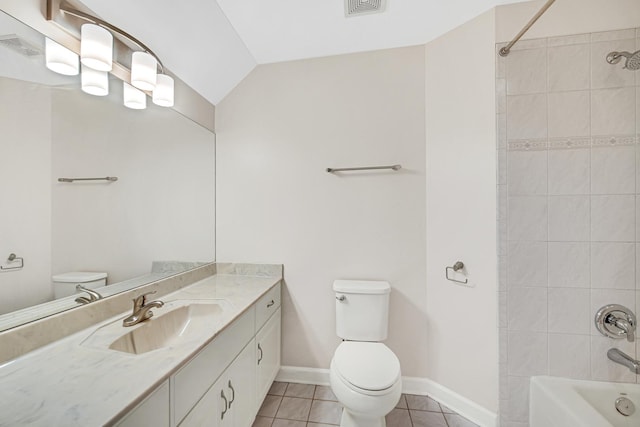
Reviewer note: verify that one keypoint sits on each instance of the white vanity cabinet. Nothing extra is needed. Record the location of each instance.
(225, 383)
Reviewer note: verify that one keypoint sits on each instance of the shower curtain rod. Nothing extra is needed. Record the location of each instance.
(505, 50)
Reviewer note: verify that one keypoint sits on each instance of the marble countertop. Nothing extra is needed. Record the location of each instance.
(68, 383)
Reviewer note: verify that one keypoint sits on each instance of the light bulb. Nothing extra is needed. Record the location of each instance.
(143, 71)
(94, 82)
(96, 47)
(163, 93)
(134, 98)
(60, 59)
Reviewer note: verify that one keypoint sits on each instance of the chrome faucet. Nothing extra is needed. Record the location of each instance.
(93, 295)
(624, 359)
(141, 310)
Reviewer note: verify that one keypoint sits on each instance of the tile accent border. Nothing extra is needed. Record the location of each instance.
(410, 385)
(572, 142)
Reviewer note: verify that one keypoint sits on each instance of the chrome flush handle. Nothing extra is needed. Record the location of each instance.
(341, 298)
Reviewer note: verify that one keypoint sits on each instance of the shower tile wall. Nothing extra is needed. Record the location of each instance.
(569, 209)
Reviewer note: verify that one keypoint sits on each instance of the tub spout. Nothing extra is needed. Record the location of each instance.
(624, 359)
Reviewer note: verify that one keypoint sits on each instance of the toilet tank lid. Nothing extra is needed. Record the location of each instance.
(362, 286)
(79, 277)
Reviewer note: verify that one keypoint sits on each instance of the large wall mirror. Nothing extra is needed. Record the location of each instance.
(157, 219)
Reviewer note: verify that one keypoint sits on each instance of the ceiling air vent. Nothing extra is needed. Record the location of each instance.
(363, 7)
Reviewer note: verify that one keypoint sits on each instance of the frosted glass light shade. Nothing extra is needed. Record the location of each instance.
(94, 82)
(134, 98)
(163, 93)
(60, 59)
(96, 47)
(143, 71)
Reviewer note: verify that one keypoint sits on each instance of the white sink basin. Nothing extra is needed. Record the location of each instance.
(563, 402)
(176, 323)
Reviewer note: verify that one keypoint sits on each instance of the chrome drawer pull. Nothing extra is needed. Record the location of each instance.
(233, 396)
(226, 404)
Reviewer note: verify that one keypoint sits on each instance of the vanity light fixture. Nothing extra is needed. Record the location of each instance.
(96, 54)
(60, 59)
(134, 98)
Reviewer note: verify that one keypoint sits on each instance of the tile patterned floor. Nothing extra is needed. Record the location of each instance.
(304, 405)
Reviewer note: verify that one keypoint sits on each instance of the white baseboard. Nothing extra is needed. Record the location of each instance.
(294, 374)
(410, 385)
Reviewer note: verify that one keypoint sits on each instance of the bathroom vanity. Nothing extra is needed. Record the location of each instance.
(207, 357)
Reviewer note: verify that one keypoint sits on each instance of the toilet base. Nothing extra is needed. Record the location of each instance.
(350, 419)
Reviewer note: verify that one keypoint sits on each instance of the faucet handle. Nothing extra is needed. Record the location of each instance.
(616, 321)
(141, 300)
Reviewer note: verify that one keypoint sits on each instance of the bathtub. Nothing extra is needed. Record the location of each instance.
(563, 402)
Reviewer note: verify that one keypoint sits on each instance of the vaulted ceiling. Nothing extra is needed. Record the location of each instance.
(213, 44)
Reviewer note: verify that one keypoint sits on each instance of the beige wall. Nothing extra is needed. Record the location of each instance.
(25, 219)
(461, 214)
(277, 133)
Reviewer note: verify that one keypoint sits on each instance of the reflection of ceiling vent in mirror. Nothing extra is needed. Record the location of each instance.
(19, 45)
(362, 7)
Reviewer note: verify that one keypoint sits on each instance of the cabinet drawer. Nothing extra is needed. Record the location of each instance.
(267, 305)
(194, 379)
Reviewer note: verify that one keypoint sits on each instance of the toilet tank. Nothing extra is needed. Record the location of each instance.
(65, 284)
(362, 309)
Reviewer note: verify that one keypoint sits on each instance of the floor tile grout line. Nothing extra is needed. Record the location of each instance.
(279, 404)
(310, 407)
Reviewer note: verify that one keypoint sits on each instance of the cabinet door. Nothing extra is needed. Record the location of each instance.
(268, 354)
(209, 410)
(153, 411)
(193, 380)
(240, 387)
(230, 402)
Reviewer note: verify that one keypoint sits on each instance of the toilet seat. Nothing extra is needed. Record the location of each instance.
(366, 367)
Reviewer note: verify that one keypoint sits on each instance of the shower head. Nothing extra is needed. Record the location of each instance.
(633, 59)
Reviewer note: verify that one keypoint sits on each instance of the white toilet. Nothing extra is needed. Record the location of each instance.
(364, 373)
(65, 284)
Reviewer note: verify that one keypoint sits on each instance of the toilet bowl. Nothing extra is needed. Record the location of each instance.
(365, 377)
(364, 373)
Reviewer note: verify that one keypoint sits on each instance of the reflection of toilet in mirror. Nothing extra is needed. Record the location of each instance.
(65, 284)
(364, 373)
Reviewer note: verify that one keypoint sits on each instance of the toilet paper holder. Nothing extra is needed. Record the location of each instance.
(13, 258)
(459, 265)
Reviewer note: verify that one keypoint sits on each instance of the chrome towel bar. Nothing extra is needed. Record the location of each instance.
(108, 178)
(366, 168)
